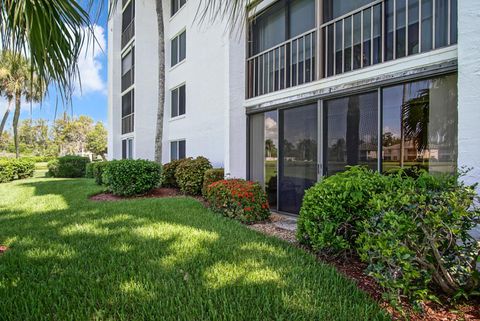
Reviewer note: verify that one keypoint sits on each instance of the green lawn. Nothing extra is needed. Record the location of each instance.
(73, 259)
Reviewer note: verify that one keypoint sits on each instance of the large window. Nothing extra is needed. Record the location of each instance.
(285, 20)
(128, 69)
(179, 48)
(128, 109)
(335, 8)
(178, 150)
(412, 124)
(178, 101)
(176, 5)
(350, 132)
(420, 125)
(128, 23)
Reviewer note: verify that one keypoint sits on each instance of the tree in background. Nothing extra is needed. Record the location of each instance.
(18, 81)
(97, 140)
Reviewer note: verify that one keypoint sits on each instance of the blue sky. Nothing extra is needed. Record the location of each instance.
(92, 100)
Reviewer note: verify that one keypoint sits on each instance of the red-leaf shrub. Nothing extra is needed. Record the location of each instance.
(239, 199)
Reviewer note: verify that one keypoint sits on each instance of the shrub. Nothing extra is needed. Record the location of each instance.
(239, 199)
(168, 173)
(23, 168)
(7, 173)
(332, 209)
(189, 175)
(211, 176)
(420, 238)
(131, 177)
(98, 169)
(89, 170)
(68, 166)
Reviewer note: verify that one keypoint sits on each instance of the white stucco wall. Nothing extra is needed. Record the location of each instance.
(469, 88)
(114, 79)
(203, 72)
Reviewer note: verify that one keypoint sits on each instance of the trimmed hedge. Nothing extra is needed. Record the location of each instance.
(11, 169)
(68, 167)
(189, 175)
(411, 227)
(89, 170)
(211, 176)
(131, 177)
(7, 174)
(239, 199)
(23, 168)
(98, 169)
(333, 208)
(168, 173)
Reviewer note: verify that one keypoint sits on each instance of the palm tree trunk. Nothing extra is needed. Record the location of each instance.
(5, 117)
(161, 81)
(16, 117)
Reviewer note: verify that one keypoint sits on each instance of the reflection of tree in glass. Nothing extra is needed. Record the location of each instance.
(389, 139)
(288, 149)
(415, 118)
(337, 150)
(307, 149)
(353, 129)
(270, 148)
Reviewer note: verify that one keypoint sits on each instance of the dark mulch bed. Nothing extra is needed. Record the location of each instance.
(156, 193)
(3, 249)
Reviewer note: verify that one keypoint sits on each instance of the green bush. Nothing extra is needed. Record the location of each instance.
(211, 176)
(131, 177)
(239, 199)
(89, 170)
(420, 238)
(68, 167)
(98, 169)
(23, 168)
(168, 173)
(7, 172)
(189, 174)
(332, 209)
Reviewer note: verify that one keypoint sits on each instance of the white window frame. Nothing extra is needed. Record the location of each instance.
(177, 142)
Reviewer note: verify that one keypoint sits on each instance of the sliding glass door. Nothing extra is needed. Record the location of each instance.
(298, 162)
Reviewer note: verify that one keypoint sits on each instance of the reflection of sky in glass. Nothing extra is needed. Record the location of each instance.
(271, 127)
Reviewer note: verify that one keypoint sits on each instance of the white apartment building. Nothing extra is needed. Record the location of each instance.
(308, 88)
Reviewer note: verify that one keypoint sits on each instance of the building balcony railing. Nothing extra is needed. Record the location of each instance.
(128, 33)
(288, 64)
(128, 79)
(381, 31)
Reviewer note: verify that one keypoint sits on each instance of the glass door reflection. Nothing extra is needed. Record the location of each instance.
(298, 141)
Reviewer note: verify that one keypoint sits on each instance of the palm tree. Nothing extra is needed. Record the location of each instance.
(50, 33)
(17, 81)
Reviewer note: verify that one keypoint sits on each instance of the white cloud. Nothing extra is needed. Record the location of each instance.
(90, 65)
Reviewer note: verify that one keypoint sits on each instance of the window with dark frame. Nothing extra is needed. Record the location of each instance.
(128, 69)
(177, 150)
(176, 5)
(127, 148)
(128, 23)
(178, 101)
(128, 109)
(179, 48)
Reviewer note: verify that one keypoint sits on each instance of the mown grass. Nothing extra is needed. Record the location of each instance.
(153, 259)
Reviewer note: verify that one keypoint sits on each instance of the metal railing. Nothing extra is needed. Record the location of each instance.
(380, 31)
(386, 30)
(288, 64)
